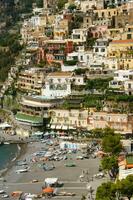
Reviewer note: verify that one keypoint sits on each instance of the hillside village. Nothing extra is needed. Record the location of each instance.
(76, 69)
(69, 74)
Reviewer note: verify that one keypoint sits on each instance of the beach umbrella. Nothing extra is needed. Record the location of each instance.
(48, 190)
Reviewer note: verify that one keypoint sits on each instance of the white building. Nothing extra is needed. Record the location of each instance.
(68, 68)
(81, 56)
(128, 87)
(100, 47)
(87, 59)
(86, 5)
(121, 78)
(79, 35)
(58, 84)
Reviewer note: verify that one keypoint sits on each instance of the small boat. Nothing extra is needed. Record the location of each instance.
(6, 143)
(22, 170)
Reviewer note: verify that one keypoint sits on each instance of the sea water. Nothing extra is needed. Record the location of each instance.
(8, 153)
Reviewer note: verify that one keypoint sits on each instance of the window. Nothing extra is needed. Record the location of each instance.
(102, 50)
(96, 50)
(129, 36)
(81, 58)
(102, 14)
(129, 85)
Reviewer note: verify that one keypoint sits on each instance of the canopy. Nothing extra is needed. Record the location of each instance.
(58, 126)
(48, 190)
(51, 181)
(71, 127)
(64, 127)
(38, 133)
(5, 125)
(52, 126)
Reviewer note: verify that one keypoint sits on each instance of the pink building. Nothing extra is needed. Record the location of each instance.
(122, 123)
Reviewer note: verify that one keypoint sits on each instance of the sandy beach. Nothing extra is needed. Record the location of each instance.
(68, 175)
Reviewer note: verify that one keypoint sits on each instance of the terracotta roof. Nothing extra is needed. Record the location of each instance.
(60, 74)
(122, 41)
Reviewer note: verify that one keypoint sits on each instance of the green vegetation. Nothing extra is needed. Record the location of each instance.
(129, 159)
(111, 144)
(61, 4)
(80, 71)
(119, 103)
(76, 22)
(70, 62)
(98, 84)
(112, 191)
(71, 7)
(110, 164)
(92, 100)
(100, 133)
(9, 49)
(106, 192)
(90, 42)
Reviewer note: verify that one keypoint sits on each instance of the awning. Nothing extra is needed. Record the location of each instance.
(38, 133)
(5, 125)
(52, 126)
(64, 127)
(58, 126)
(51, 181)
(72, 127)
(48, 190)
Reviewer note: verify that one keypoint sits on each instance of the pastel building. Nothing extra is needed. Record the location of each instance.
(31, 80)
(79, 35)
(121, 123)
(100, 47)
(58, 84)
(68, 119)
(121, 78)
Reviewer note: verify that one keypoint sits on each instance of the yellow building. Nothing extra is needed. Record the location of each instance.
(61, 31)
(122, 50)
(106, 13)
(68, 119)
(31, 80)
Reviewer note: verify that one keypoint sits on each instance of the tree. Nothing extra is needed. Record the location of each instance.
(83, 197)
(72, 7)
(80, 71)
(106, 192)
(61, 4)
(97, 133)
(15, 47)
(111, 144)
(108, 131)
(126, 186)
(100, 133)
(110, 163)
(113, 191)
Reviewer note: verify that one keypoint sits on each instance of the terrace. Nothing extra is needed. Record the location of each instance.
(34, 120)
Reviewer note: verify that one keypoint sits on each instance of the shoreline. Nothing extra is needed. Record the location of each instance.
(22, 149)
